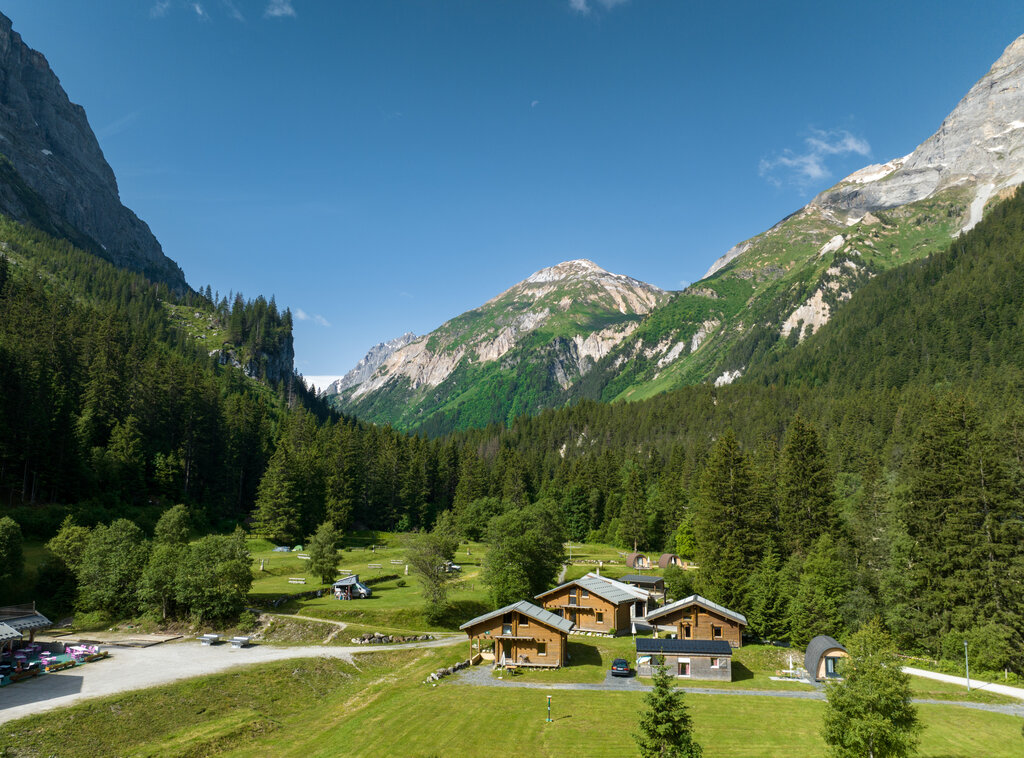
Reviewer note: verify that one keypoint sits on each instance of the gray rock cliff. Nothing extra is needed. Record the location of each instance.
(52, 171)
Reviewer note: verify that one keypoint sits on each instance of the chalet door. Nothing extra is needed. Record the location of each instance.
(572, 616)
(639, 609)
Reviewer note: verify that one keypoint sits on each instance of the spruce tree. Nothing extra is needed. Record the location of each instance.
(806, 497)
(767, 603)
(322, 549)
(820, 603)
(728, 528)
(666, 727)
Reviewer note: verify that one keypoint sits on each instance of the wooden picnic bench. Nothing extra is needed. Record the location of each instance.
(297, 580)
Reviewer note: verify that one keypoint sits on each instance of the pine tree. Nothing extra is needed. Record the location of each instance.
(728, 529)
(820, 603)
(806, 498)
(322, 549)
(767, 603)
(666, 727)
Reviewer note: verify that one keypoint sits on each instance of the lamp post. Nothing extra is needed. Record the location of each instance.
(967, 666)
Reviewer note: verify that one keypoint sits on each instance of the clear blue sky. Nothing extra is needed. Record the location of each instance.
(383, 165)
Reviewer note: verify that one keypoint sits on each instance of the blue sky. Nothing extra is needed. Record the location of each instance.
(383, 165)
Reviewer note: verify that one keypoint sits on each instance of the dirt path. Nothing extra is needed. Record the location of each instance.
(137, 668)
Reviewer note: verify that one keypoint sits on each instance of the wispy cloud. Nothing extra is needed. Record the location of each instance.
(534, 103)
(200, 11)
(810, 165)
(117, 126)
(585, 6)
(317, 319)
(279, 9)
(160, 8)
(232, 10)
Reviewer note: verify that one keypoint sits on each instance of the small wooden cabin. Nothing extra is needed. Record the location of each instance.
(592, 604)
(521, 634)
(822, 658)
(669, 559)
(686, 659)
(637, 561)
(697, 618)
(655, 585)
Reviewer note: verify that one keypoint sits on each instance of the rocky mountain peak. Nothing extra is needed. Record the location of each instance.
(980, 144)
(53, 174)
(567, 270)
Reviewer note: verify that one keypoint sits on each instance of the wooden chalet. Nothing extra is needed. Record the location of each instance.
(592, 604)
(697, 618)
(654, 585)
(686, 659)
(520, 635)
(643, 600)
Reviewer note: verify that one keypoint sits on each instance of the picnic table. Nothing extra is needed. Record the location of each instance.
(239, 642)
(209, 639)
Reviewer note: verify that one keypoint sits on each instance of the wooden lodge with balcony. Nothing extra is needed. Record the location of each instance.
(697, 618)
(592, 604)
(520, 635)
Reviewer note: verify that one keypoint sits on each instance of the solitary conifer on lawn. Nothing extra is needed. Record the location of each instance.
(666, 729)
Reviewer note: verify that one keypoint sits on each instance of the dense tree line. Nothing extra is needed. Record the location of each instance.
(105, 402)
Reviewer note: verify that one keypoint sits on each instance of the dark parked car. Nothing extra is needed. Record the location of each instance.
(620, 667)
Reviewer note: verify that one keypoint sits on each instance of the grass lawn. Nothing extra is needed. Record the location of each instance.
(929, 689)
(397, 604)
(380, 708)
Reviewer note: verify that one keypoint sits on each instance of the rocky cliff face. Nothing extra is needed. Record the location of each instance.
(55, 176)
(368, 364)
(979, 145)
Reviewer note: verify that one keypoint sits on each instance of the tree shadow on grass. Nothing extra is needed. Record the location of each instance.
(582, 654)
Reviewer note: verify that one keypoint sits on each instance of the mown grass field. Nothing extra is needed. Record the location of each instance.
(380, 708)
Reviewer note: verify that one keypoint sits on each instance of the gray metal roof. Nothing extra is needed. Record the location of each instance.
(641, 579)
(815, 649)
(700, 601)
(347, 581)
(8, 633)
(599, 587)
(684, 647)
(527, 609)
(34, 620)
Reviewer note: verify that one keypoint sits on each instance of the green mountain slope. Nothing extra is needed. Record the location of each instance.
(518, 353)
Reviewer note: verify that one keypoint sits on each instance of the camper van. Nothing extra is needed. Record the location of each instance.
(350, 588)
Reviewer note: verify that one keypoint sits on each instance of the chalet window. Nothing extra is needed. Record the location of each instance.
(716, 632)
(507, 618)
(600, 617)
(542, 648)
(524, 621)
(686, 632)
(684, 667)
(584, 593)
(572, 596)
(506, 629)
(716, 663)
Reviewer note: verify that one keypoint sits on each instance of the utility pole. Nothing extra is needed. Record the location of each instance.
(967, 666)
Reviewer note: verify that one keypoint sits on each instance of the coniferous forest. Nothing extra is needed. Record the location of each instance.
(873, 470)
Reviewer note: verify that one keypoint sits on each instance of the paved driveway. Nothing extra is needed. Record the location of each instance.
(136, 668)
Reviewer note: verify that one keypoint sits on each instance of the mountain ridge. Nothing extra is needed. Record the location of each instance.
(54, 175)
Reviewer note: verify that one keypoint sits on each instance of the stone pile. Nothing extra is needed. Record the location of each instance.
(442, 673)
(383, 639)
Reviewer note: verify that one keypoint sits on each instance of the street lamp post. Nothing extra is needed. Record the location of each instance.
(967, 666)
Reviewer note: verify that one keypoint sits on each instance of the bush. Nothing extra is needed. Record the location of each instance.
(400, 583)
(94, 620)
(247, 621)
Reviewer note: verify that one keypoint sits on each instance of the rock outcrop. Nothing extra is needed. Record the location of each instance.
(368, 364)
(52, 171)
